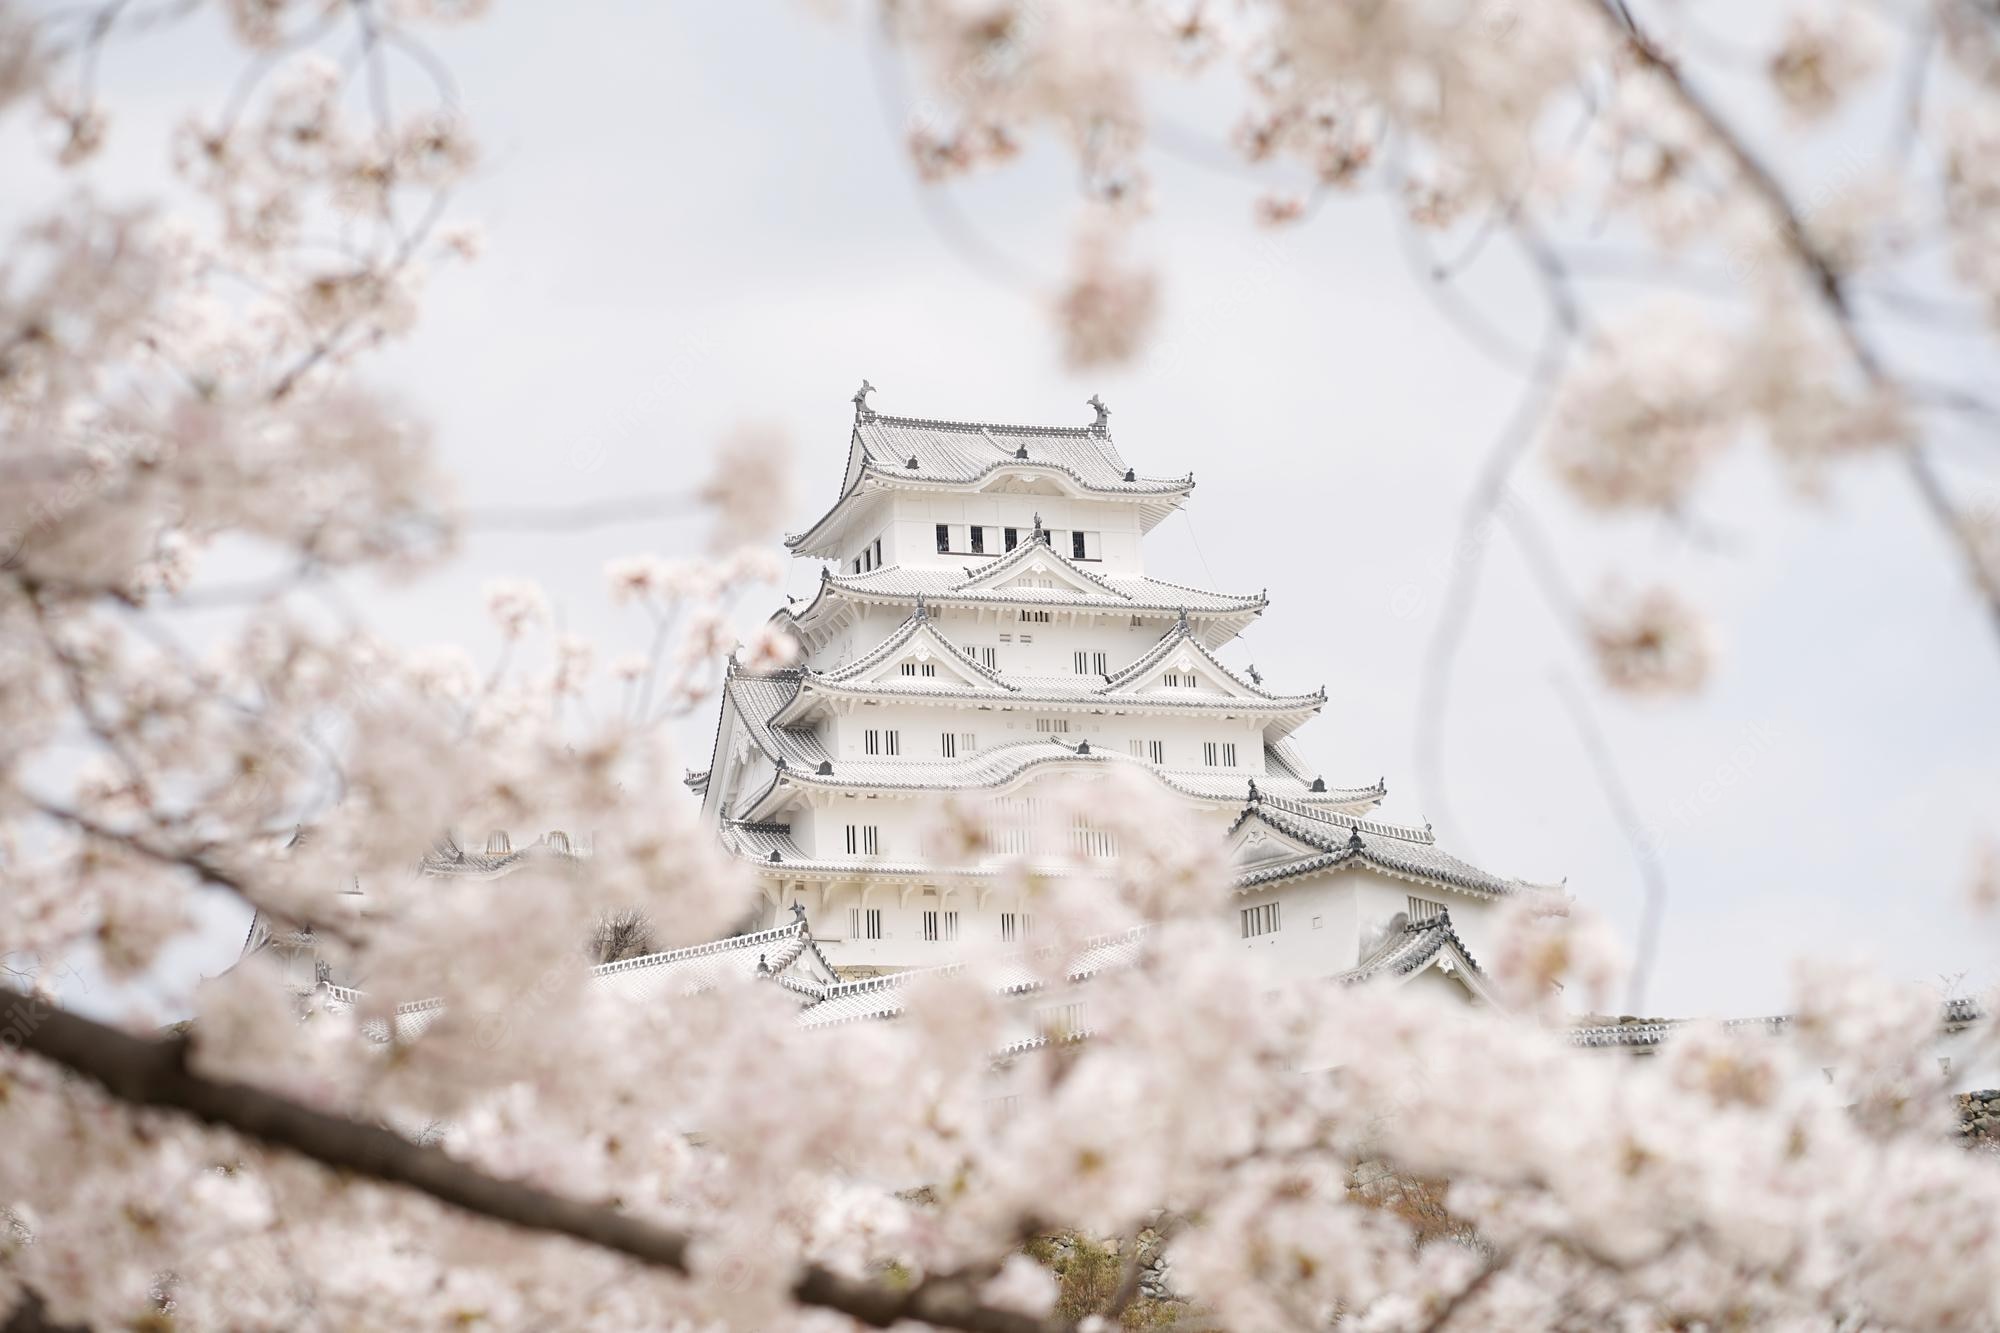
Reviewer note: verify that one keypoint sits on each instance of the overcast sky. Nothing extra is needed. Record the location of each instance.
(699, 215)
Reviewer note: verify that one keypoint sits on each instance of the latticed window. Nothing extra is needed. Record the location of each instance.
(864, 923)
(1016, 926)
(1011, 823)
(1155, 751)
(1260, 920)
(878, 741)
(1086, 840)
(988, 656)
(1011, 536)
(978, 540)
(864, 839)
(1219, 754)
(1060, 1020)
(952, 744)
(940, 926)
(1052, 725)
(1034, 617)
(944, 536)
(920, 669)
(1423, 909)
(1090, 664)
(1179, 680)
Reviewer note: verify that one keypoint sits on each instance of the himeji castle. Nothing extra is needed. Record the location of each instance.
(985, 627)
(985, 624)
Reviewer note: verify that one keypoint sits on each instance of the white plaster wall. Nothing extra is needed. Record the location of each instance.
(1316, 927)
(908, 528)
(1352, 907)
(902, 943)
(921, 728)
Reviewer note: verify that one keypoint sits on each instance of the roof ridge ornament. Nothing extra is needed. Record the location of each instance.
(1103, 422)
(1040, 534)
(863, 412)
(1255, 795)
(923, 612)
(1354, 836)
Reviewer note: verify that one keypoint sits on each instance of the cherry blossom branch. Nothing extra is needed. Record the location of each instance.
(155, 1073)
(1823, 277)
(191, 860)
(1464, 1296)
(1489, 492)
(31, 1315)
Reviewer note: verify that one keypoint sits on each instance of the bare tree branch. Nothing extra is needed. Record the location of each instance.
(1652, 879)
(1823, 278)
(155, 1073)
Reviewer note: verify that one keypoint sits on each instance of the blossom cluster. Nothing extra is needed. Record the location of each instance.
(170, 383)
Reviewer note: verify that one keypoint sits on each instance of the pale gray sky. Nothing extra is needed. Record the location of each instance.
(698, 215)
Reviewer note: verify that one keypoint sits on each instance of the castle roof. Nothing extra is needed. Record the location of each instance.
(1314, 839)
(1056, 582)
(1644, 1034)
(1403, 954)
(786, 953)
(799, 756)
(1416, 945)
(1000, 766)
(891, 451)
(966, 680)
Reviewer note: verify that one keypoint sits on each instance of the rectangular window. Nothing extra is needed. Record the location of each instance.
(864, 839)
(1060, 1020)
(1076, 545)
(1089, 664)
(1016, 926)
(952, 744)
(876, 562)
(944, 536)
(1011, 536)
(1153, 751)
(864, 923)
(978, 540)
(940, 926)
(877, 741)
(1088, 841)
(1219, 754)
(1027, 638)
(1423, 909)
(1052, 725)
(1006, 638)
(1260, 920)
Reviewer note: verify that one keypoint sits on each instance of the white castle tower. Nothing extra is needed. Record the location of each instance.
(985, 622)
